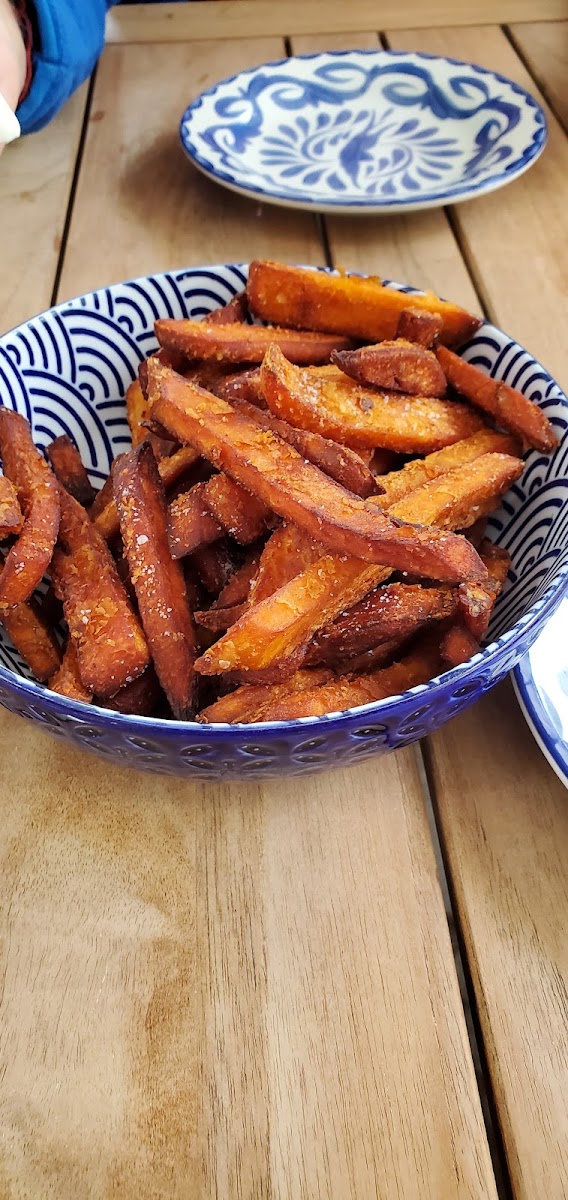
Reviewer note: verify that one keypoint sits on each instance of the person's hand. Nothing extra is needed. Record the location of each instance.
(12, 56)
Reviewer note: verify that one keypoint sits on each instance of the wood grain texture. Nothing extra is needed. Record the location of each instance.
(160, 212)
(544, 48)
(35, 182)
(504, 822)
(245, 18)
(234, 991)
(518, 256)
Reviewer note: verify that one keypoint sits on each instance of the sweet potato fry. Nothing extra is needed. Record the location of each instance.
(274, 636)
(339, 462)
(218, 620)
(38, 496)
(338, 408)
(287, 552)
(242, 704)
(137, 410)
(244, 385)
(413, 475)
(245, 343)
(67, 465)
(191, 523)
(419, 326)
(476, 601)
(420, 665)
(475, 533)
(67, 679)
(299, 492)
(140, 698)
(382, 655)
(394, 611)
(11, 519)
(234, 312)
(33, 638)
(214, 566)
(158, 580)
(103, 512)
(236, 509)
(237, 589)
(168, 358)
(359, 308)
(110, 645)
(508, 408)
(398, 366)
(457, 646)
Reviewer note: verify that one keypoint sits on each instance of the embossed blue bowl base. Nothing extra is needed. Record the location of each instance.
(364, 131)
(68, 370)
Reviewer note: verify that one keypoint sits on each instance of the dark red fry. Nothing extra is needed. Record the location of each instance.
(110, 645)
(68, 467)
(508, 407)
(33, 638)
(457, 646)
(140, 698)
(397, 366)
(237, 589)
(191, 523)
(241, 705)
(419, 326)
(299, 492)
(67, 679)
(11, 519)
(240, 513)
(38, 495)
(157, 579)
(245, 343)
(214, 566)
(244, 385)
(103, 512)
(232, 313)
(394, 611)
(339, 462)
(477, 600)
(218, 620)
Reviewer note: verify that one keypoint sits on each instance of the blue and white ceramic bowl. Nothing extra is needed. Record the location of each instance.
(541, 684)
(67, 371)
(366, 131)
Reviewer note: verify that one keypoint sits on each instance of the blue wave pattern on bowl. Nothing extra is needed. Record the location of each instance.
(68, 369)
(362, 128)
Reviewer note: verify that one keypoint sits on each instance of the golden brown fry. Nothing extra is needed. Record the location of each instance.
(237, 589)
(457, 646)
(394, 611)
(420, 665)
(464, 494)
(38, 496)
(336, 407)
(242, 704)
(191, 523)
(477, 600)
(67, 679)
(414, 474)
(240, 513)
(232, 313)
(508, 408)
(11, 519)
(287, 552)
(359, 308)
(339, 462)
(218, 620)
(137, 410)
(168, 358)
(245, 343)
(419, 326)
(103, 512)
(110, 645)
(397, 366)
(33, 638)
(298, 491)
(157, 579)
(244, 385)
(69, 470)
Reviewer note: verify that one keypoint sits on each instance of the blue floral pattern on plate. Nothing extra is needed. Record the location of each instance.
(68, 370)
(366, 130)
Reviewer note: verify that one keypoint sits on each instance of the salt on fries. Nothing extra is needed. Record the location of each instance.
(263, 553)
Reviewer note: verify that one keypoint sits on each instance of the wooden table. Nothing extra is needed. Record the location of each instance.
(250, 992)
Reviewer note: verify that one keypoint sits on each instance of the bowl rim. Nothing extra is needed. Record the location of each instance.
(427, 199)
(461, 675)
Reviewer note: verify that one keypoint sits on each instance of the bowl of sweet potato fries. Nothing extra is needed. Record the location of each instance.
(269, 520)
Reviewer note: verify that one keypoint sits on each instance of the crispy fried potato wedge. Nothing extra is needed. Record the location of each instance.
(337, 407)
(299, 492)
(287, 552)
(457, 646)
(157, 578)
(476, 601)
(359, 308)
(234, 312)
(191, 523)
(413, 475)
(33, 638)
(110, 645)
(168, 358)
(240, 513)
(68, 467)
(464, 494)
(419, 326)
(103, 512)
(339, 462)
(218, 620)
(67, 679)
(394, 611)
(398, 366)
(244, 385)
(508, 408)
(420, 665)
(242, 704)
(137, 410)
(245, 343)
(11, 519)
(38, 496)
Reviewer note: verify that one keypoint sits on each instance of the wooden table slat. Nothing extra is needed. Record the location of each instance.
(545, 49)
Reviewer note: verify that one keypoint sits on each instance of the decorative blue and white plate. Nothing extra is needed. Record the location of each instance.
(541, 684)
(365, 130)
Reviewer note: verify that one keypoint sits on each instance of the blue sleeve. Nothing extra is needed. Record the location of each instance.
(68, 38)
